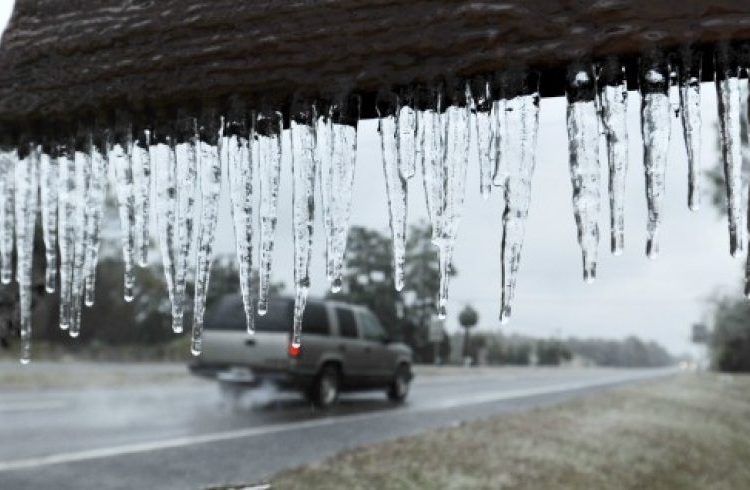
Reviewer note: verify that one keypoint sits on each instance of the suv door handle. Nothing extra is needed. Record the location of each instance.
(249, 342)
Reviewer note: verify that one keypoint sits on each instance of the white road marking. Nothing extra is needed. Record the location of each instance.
(107, 452)
(31, 406)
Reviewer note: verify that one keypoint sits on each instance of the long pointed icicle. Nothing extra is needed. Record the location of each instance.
(121, 158)
(67, 197)
(407, 138)
(165, 166)
(690, 112)
(48, 186)
(303, 196)
(485, 128)
(395, 185)
(94, 208)
(729, 102)
(337, 180)
(8, 159)
(266, 150)
(655, 128)
(141, 168)
(445, 177)
(520, 118)
(27, 172)
(613, 101)
(239, 165)
(82, 157)
(583, 145)
(209, 172)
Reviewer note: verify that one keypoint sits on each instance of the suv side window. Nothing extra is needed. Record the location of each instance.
(347, 324)
(315, 320)
(371, 327)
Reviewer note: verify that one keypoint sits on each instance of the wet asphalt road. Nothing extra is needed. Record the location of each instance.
(183, 434)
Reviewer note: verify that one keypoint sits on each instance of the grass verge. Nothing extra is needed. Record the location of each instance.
(684, 432)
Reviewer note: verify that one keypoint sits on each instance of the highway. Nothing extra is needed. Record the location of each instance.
(181, 433)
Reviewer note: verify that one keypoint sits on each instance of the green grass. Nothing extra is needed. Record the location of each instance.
(685, 432)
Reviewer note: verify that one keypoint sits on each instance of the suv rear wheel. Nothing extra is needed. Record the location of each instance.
(325, 389)
(399, 388)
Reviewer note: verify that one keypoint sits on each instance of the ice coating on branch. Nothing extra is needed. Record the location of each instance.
(27, 189)
(655, 129)
(7, 213)
(209, 173)
(613, 102)
(120, 156)
(407, 140)
(583, 146)
(303, 202)
(164, 160)
(396, 192)
(48, 194)
(236, 151)
(729, 103)
(337, 155)
(520, 118)
(141, 167)
(445, 179)
(266, 150)
(690, 112)
(486, 122)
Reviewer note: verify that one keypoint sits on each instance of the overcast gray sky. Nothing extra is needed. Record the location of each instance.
(633, 295)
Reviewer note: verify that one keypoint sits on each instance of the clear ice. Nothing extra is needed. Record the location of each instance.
(209, 174)
(407, 141)
(48, 195)
(655, 129)
(93, 219)
(266, 149)
(690, 112)
(303, 202)
(486, 121)
(729, 102)
(8, 160)
(120, 156)
(583, 147)
(613, 103)
(27, 189)
(141, 168)
(519, 117)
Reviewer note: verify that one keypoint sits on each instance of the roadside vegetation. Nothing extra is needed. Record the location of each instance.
(663, 434)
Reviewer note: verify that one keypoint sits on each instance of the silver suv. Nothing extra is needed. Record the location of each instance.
(344, 348)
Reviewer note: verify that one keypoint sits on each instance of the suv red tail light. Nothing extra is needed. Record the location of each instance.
(294, 350)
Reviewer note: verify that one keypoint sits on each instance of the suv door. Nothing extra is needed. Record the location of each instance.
(349, 344)
(379, 360)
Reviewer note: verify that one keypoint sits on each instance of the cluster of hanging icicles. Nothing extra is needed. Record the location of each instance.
(423, 128)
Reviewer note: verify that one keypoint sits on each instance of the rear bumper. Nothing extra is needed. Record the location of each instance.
(279, 378)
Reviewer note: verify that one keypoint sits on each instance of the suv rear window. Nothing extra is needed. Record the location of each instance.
(315, 319)
(347, 323)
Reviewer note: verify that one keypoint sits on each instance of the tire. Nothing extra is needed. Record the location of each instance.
(399, 388)
(325, 389)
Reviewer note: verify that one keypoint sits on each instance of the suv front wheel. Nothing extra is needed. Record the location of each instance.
(325, 389)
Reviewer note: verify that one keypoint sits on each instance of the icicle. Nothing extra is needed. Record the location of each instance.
(209, 170)
(395, 185)
(48, 191)
(729, 101)
(82, 177)
(95, 198)
(121, 158)
(27, 189)
(520, 118)
(141, 168)
(655, 128)
(485, 126)
(267, 152)
(445, 177)
(690, 110)
(236, 151)
(583, 145)
(66, 228)
(336, 167)
(8, 160)
(613, 100)
(407, 134)
(303, 195)
(163, 157)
